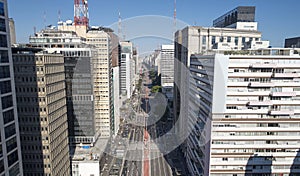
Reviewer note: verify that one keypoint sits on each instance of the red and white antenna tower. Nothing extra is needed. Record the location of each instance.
(81, 13)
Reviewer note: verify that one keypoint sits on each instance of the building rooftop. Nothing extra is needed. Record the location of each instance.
(86, 153)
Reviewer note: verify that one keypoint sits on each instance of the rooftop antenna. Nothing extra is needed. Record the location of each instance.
(81, 13)
(59, 15)
(175, 16)
(120, 26)
(44, 17)
(34, 30)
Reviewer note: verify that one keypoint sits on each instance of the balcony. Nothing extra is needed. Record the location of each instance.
(281, 112)
(283, 94)
(260, 84)
(259, 103)
(285, 75)
(263, 65)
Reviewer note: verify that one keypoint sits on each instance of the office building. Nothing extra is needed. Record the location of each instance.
(42, 109)
(245, 113)
(105, 44)
(167, 70)
(79, 60)
(10, 150)
(292, 42)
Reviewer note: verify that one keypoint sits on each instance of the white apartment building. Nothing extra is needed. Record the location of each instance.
(196, 39)
(167, 70)
(244, 108)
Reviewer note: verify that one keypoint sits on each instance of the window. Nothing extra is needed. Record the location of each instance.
(10, 130)
(243, 39)
(1, 8)
(7, 102)
(12, 158)
(5, 87)
(3, 41)
(236, 40)
(213, 40)
(2, 25)
(3, 56)
(4, 72)
(228, 39)
(11, 144)
(8, 116)
(203, 40)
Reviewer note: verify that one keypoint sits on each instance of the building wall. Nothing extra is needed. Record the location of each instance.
(12, 30)
(252, 103)
(40, 83)
(104, 115)
(86, 168)
(117, 100)
(10, 150)
(78, 60)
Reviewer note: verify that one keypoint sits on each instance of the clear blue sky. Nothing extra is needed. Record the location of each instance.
(278, 19)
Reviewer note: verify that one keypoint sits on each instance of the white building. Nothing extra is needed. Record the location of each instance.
(201, 40)
(167, 70)
(117, 100)
(246, 112)
(127, 69)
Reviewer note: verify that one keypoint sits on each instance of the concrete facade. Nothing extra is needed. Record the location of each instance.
(40, 82)
(246, 111)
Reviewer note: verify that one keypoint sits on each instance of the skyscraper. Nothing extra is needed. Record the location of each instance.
(41, 100)
(10, 148)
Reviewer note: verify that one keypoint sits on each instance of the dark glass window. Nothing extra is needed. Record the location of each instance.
(14, 171)
(10, 130)
(1, 166)
(4, 72)
(8, 116)
(7, 102)
(3, 56)
(3, 41)
(213, 40)
(2, 8)
(12, 158)
(228, 39)
(11, 144)
(5, 87)
(236, 40)
(2, 25)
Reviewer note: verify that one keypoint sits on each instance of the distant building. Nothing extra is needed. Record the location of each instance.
(12, 30)
(167, 70)
(126, 76)
(292, 42)
(10, 147)
(42, 109)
